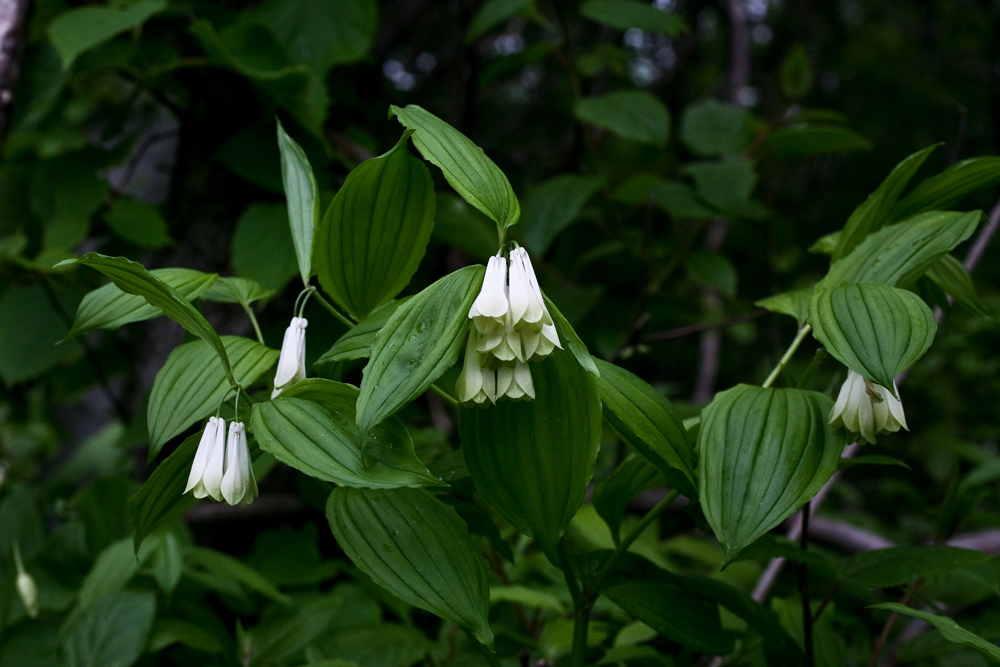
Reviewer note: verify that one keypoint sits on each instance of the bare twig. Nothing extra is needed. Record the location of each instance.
(704, 326)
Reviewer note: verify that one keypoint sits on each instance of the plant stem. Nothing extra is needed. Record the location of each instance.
(581, 607)
(595, 587)
(803, 332)
(333, 311)
(448, 398)
(253, 320)
(803, 581)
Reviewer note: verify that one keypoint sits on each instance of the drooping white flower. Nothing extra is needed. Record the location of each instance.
(867, 409)
(490, 308)
(292, 361)
(205, 478)
(238, 482)
(26, 588)
(475, 383)
(514, 382)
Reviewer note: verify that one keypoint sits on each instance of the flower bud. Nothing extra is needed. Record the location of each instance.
(292, 360)
(205, 478)
(238, 482)
(867, 409)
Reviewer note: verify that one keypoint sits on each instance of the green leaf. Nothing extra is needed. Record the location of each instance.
(108, 307)
(898, 566)
(796, 75)
(459, 225)
(421, 340)
(812, 139)
(279, 638)
(948, 628)
(532, 460)
(725, 184)
(161, 499)
(553, 206)
(302, 197)
(875, 330)
(262, 247)
(763, 453)
(112, 631)
(636, 115)
(712, 128)
(464, 164)
(376, 231)
(871, 459)
(30, 330)
(133, 278)
(529, 597)
(613, 494)
(236, 290)
(418, 549)
(674, 610)
(951, 276)
(138, 223)
(873, 214)
(491, 14)
(945, 190)
(311, 427)
(221, 564)
(675, 198)
(625, 14)
(77, 30)
(794, 303)
(112, 570)
(192, 383)
(712, 269)
(648, 423)
(570, 339)
(357, 342)
(899, 254)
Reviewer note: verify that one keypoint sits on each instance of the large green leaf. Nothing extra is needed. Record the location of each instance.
(357, 342)
(302, 196)
(899, 254)
(951, 276)
(76, 30)
(532, 460)
(108, 307)
(421, 340)
(30, 330)
(110, 632)
(794, 303)
(763, 453)
(376, 230)
(133, 278)
(948, 628)
(311, 427)
(236, 290)
(812, 139)
(613, 494)
(648, 423)
(418, 549)
(162, 499)
(191, 384)
(553, 205)
(713, 128)
(875, 330)
(494, 12)
(873, 213)
(464, 164)
(631, 114)
(625, 14)
(898, 566)
(262, 247)
(943, 191)
(570, 339)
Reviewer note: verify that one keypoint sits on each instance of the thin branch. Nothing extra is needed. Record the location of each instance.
(680, 332)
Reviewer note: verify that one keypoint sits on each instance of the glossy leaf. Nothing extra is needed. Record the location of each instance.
(901, 253)
(421, 340)
(570, 340)
(108, 307)
(418, 549)
(794, 303)
(898, 566)
(464, 164)
(625, 14)
(311, 427)
(875, 330)
(636, 115)
(948, 628)
(813, 139)
(236, 290)
(952, 277)
(191, 384)
(648, 423)
(713, 128)
(139, 223)
(553, 206)
(763, 453)
(945, 190)
(161, 499)
(262, 247)
(133, 278)
(532, 460)
(74, 31)
(613, 494)
(302, 196)
(357, 342)
(873, 213)
(112, 631)
(376, 230)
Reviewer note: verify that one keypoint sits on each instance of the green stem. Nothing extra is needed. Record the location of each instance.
(448, 398)
(652, 515)
(581, 607)
(253, 320)
(803, 332)
(333, 311)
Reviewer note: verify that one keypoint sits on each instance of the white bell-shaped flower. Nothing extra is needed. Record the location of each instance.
(292, 361)
(490, 308)
(514, 382)
(205, 478)
(475, 383)
(238, 482)
(26, 588)
(867, 409)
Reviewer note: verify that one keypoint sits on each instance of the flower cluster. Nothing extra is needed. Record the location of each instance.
(867, 409)
(511, 326)
(292, 361)
(221, 467)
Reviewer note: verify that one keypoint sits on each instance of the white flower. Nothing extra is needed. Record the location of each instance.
(867, 409)
(208, 468)
(475, 384)
(238, 482)
(515, 382)
(292, 361)
(490, 308)
(26, 587)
